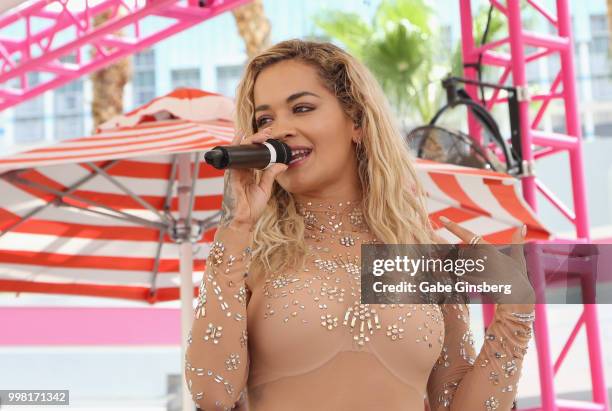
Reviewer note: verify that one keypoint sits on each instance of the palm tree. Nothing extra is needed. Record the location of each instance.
(397, 47)
(403, 49)
(108, 84)
(253, 26)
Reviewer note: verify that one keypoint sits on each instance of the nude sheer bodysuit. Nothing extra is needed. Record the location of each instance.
(301, 340)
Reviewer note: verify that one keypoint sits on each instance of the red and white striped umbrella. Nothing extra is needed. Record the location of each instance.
(96, 215)
(485, 202)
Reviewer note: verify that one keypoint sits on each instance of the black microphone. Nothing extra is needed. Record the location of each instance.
(258, 155)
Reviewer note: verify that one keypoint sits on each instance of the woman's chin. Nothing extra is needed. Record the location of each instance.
(295, 184)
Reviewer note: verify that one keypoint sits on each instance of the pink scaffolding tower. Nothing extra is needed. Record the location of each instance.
(538, 144)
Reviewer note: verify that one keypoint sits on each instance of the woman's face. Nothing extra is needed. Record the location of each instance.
(290, 98)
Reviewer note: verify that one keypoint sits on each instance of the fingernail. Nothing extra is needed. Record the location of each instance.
(524, 230)
(444, 220)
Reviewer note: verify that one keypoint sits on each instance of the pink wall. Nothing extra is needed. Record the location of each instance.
(89, 326)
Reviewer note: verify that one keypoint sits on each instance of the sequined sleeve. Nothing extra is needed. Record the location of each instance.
(462, 381)
(216, 359)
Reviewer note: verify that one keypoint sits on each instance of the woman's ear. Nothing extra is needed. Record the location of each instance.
(356, 134)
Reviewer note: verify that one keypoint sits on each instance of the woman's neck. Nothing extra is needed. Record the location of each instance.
(331, 216)
(342, 196)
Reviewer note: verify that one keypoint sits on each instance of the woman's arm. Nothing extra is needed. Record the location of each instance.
(462, 381)
(216, 360)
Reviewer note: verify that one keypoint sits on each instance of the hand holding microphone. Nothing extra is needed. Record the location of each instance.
(244, 200)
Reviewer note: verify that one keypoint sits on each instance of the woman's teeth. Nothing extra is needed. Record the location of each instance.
(297, 155)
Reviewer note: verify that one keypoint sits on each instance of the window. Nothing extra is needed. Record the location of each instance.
(69, 107)
(228, 78)
(600, 39)
(189, 78)
(30, 116)
(143, 81)
(603, 129)
(29, 130)
(558, 123)
(68, 127)
(599, 23)
(145, 58)
(68, 99)
(32, 107)
(602, 87)
(532, 69)
(599, 58)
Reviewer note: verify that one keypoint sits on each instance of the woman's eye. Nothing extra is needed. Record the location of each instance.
(300, 107)
(260, 122)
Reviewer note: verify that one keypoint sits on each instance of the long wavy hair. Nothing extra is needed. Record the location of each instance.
(393, 199)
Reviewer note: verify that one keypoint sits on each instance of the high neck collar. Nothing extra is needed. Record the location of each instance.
(334, 206)
(332, 217)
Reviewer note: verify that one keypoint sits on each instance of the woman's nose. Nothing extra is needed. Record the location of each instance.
(283, 125)
(282, 133)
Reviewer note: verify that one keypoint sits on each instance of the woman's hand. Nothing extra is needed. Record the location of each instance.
(500, 268)
(243, 199)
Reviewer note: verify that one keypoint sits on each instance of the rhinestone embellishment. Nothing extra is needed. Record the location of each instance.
(329, 322)
(394, 332)
(213, 333)
(216, 253)
(356, 217)
(492, 404)
(232, 362)
(360, 316)
(347, 241)
(201, 307)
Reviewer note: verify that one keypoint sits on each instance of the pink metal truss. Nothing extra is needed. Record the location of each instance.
(57, 37)
(536, 144)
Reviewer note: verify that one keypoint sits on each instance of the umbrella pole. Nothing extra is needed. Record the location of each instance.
(186, 268)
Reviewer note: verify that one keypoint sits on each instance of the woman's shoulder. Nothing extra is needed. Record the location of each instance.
(255, 278)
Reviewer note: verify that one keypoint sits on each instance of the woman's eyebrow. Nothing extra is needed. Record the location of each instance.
(289, 99)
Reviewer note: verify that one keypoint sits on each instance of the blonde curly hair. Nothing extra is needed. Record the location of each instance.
(393, 199)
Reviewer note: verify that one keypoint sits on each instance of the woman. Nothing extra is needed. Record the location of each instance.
(279, 311)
